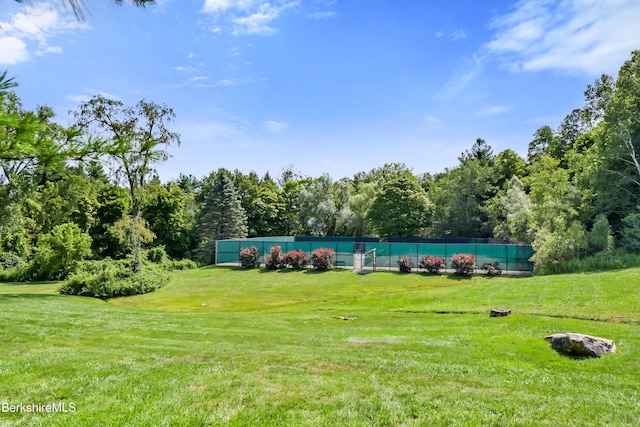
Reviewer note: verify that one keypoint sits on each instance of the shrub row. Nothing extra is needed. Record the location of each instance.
(463, 264)
(321, 258)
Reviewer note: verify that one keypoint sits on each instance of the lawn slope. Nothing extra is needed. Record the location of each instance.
(221, 346)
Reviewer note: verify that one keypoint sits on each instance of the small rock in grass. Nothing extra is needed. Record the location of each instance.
(496, 312)
(581, 345)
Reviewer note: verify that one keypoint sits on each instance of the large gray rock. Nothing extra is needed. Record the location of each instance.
(581, 345)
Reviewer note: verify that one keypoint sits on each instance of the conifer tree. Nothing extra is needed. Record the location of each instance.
(222, 217)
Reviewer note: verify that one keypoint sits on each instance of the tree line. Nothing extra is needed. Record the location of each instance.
(92, 187)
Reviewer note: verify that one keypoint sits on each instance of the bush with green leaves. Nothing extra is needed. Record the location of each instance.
(249, 257)
(180, 264)
(405, 264)
(9, 260)
(463, 264)
(322, 259)
(297, 258)
(157, 255)
(58, 252)
(631, 232)
(276, 259)
(432, 263)
(113, 278)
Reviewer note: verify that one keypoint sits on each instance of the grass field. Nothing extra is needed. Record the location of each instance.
(222, 346)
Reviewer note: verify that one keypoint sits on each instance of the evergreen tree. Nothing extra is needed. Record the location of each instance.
(222, 217)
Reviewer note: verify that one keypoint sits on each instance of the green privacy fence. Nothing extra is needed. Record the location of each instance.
(511, 257)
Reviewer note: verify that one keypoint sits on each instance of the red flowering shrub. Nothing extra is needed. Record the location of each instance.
(463, 263)
(405, 264)
(322, 258)
(432, 263)
(276, 259)
(249, 257)
(297, 259)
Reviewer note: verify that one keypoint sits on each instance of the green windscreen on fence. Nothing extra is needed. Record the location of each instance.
(510, 257)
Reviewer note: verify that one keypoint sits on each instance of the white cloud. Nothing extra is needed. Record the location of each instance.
(12, 50)
(574, 36)
(30, 30)
(491, 110)
(457, 35)
(322, 14)
(247, 16)
(273, 126)
(431, 120)
(462, 77)
(213, 6)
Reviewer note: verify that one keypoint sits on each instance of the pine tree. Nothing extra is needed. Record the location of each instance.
(222, 217)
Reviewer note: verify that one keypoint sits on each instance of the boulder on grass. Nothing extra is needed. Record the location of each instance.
(580, 345)
(499, 312)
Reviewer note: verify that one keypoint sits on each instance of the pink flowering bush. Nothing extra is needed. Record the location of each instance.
(432, 263)
(322, 259)
(249, 257)
(405, 264)
(276, 259)
(463, 263)
(297, 259)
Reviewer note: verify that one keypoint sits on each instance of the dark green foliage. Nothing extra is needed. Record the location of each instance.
(600, 238)
(616, 259)
(180, 264)
(405, 264)
(249, 257)
(222, 217)
(400, 209)
(631, 232)
(109, 279)
(322, 259)
(157, 255)
(170, 213)
(113, 205)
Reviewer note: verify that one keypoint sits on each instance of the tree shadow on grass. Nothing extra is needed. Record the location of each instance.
(30, 296)
(460, 277)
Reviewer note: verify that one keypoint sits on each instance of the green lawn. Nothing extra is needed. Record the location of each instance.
(221, 346)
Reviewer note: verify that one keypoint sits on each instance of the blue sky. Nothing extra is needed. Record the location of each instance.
(327, 86)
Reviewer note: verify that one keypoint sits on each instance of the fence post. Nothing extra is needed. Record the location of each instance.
(445, 257)
(476, 255)
(506, 257)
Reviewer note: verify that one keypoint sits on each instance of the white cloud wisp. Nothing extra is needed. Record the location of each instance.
(572, 36)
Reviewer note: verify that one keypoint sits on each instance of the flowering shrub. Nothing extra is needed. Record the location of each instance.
(297, 259)
(276, 259)
(249, 257)
(463, 263)
(405, 264)
(322, 258)
(493, 269)
(432, 263)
